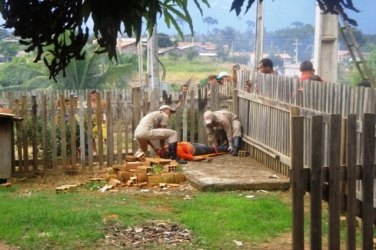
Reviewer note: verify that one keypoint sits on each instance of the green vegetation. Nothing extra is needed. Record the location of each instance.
(180, 69)
(96, 71)
(44, 219)
(219, 216)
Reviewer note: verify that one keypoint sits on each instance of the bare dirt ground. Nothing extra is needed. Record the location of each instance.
(53, 179)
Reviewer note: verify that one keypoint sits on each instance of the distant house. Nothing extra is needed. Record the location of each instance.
(208, 54)
(171, 50)
(292, 70)
(128, 45)
(206, 47)
(287, 59)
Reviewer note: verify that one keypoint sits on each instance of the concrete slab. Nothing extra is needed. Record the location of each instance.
(226, 172)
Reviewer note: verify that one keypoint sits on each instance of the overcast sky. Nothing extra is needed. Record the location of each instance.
(278, 14)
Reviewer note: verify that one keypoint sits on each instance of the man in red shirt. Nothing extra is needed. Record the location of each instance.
(193, 151)
(308, 72)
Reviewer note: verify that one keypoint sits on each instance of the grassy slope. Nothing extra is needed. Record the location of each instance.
(180, 70)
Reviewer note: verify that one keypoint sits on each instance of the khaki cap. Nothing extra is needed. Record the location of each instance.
(166, 107)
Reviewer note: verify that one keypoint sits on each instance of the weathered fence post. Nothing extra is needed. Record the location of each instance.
(99, 118)
(110, 130)
(83, 135)
(202, 102)
(334, 181)
(235, 102)
(19, 137)
(317, 153)
(63, 136)
(297, 162)
(351, 182)
(44, 130)
(192, 116)
(118, 128)
(136, 98)
(90, 141)
(214, 97)
(72, 121)
(53, 119)
(34, 131)
(368, 141)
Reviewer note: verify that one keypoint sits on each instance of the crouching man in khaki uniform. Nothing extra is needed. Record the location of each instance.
(227, 121)
(153, 127)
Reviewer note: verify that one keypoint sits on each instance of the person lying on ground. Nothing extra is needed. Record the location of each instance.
(193, 151)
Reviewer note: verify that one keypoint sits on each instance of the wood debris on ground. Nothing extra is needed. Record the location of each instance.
(140, 236)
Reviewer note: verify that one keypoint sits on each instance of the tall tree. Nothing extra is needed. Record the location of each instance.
(164, 41)
(250, 25)
(297, 24)
(209, 21)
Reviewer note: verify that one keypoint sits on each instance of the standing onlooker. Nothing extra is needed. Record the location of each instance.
(217, 80)
(223, 120)
(223, 77)
(306, 70)
(153, 126)
(266, 66)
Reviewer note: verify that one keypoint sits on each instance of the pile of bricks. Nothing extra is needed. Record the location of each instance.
(147, 172)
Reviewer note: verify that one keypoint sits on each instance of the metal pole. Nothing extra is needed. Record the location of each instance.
(259, 33)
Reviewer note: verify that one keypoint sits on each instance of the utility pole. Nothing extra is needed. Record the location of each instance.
(296, 44)
(153, 69)
(326, 45)
(153, 66)
(259, 33)
(140, 62)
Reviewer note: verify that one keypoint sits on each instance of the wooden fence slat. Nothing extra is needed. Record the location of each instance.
(118, 128)
(351, 182)
(192, 116)
(136, 116)
(53, 119)
(368, 141)
(63, 137)
(83, 136)
(19, 137)
(44, 130)
(25, 141)
(334, 181)
(110, 130)
(34, 131)
(297, 183)
(99, 122)
(90, 140)
(72, 121)
(316, 152)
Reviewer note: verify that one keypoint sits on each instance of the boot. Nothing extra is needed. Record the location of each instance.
(237, 143)
(172, 147)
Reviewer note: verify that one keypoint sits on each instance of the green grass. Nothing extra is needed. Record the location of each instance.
(222, 217)
(44, 219)
(180, 70)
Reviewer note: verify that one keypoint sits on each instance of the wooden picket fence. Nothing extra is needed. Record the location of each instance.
(265, 103)
(57, 129)
(322, 135)
(334, 182)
